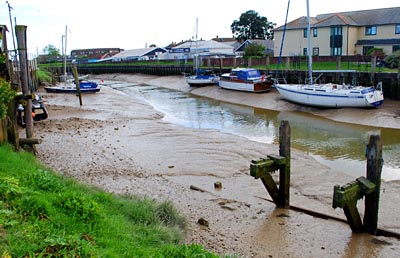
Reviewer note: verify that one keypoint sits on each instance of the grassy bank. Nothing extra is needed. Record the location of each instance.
(43, 214)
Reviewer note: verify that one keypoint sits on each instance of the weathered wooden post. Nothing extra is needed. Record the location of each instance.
(374, 171)
(23, 57)
(77, 84)
(267, 64)
(264, 167)
(284, 174)
(346, 196)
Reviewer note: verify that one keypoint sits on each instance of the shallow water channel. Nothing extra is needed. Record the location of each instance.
(338, 145)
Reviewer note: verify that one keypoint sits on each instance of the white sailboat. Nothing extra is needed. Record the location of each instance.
(329, 95)
(201, 77)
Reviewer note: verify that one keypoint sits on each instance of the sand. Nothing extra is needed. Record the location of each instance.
(121, 144)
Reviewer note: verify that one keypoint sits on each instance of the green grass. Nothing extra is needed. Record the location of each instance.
(44, 76)
(45, 215)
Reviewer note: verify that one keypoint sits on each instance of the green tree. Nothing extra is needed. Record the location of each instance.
(254, 49)
(51, 50)
(393, 60)
(252, 26)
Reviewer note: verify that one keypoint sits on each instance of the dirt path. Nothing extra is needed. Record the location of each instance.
(131, 150)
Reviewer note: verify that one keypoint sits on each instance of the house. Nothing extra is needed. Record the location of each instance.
(342, 34)
(267, 43)
(150, 53)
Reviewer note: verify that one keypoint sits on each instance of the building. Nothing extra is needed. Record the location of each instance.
(267, 43)
(188, 50)
(94, 54)
(342, 34)
(150, 53)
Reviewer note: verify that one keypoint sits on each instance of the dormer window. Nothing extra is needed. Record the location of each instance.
(370, 30)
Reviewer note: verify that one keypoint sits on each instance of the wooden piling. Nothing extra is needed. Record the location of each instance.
(23, 57)
(374, 171)
(264, 167)
(284, 175)
(77, 84)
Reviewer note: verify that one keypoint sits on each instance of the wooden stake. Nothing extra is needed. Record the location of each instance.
(23, 57)
(374, 171)
(77, 84)
(284, 173)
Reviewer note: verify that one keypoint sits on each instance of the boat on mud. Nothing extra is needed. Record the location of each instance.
(245, 79)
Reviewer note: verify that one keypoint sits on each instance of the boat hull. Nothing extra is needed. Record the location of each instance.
(85, 87)
(250, 86)
(198, 81)
(331, 97)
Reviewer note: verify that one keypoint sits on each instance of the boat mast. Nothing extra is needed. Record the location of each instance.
(197, 45)
(309, 44)
(65, 55)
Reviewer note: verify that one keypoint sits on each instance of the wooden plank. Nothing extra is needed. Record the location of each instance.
(271, 187)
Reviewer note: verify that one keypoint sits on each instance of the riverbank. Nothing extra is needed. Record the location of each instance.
(121, 144)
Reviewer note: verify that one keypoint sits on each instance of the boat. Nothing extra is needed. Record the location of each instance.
(332, 95)
(85, 87)
(245, 79)
(329, 95)
(202, 77)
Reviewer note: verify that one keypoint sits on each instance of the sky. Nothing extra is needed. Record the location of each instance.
(136, 24)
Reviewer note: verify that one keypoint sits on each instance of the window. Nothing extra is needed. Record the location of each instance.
(366, 49)
(315, 32)
(396, 48)
(304, 51)
(315, 51)
(370, 30)
(397, 29)
(305, 33)
(336, 41)
(336, 51)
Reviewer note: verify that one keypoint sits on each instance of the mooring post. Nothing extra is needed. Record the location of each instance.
(346, 196)
(23, 57)
(284, 173)
(77, 84)
(262, 169)
(374, 170)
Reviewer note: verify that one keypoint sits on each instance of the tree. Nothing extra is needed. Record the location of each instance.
(252, 26)
(254, 49)
(51, 50)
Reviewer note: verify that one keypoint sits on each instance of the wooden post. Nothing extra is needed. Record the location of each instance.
(373, 68)
(77, 84)
(23, 57)
(284, 173)
(264, 167)
(268, 64)
(374, 170)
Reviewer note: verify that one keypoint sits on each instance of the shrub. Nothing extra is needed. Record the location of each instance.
(6, 95)
(393, 60)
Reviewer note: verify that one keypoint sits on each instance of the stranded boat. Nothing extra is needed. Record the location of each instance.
(245, 79)
(85, 87)
(202, 78)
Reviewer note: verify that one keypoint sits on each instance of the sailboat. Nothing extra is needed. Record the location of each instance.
(201, 77)
(329, 95)
(70, 86)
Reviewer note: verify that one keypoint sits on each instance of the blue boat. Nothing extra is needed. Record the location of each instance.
(85, 87)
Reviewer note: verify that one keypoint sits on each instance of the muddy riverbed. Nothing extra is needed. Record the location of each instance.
(121, 144)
